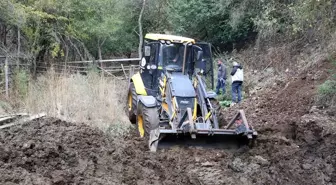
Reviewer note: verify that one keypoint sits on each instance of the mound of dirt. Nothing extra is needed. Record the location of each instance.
(299, 150)
(287, 101)
(50, 151)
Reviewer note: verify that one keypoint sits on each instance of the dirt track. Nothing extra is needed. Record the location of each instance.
(291, 149)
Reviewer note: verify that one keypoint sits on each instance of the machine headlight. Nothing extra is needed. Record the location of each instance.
(143, 62)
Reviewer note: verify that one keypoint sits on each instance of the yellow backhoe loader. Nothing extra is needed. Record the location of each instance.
(170, 95)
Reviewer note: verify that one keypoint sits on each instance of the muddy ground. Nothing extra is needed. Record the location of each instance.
(296, 145)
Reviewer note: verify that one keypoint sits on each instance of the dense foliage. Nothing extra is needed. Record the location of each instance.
(55, 30)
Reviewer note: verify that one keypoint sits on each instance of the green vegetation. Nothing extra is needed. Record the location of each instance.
(327, 93)
(20, 83)
(82, 29)
(225, 103)
(59, 28)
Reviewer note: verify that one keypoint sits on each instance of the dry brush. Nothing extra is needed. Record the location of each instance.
(91, 99)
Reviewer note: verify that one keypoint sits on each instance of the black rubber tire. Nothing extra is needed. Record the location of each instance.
(132, 112)
(150, 118)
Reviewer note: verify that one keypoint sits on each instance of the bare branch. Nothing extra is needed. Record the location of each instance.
(76, 48)
(140, 29)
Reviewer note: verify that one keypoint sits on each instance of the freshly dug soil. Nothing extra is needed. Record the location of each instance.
(292, 148)
(50, 151)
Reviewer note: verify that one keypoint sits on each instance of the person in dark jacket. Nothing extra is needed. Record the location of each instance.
(237, 76)
(221, 77)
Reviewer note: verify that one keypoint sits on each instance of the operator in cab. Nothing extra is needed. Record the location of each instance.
(173, 55)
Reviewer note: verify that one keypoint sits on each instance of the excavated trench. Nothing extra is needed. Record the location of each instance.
(289, 149)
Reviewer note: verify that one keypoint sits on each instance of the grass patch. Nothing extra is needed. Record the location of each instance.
(327, 93)
(20, 83)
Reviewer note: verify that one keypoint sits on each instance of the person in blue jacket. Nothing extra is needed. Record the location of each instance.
(221, 77)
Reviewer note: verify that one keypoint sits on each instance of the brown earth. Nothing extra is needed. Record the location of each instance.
(293, 147)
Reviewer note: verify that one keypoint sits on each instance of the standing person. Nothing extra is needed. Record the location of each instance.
(237, 74)
(221, 77)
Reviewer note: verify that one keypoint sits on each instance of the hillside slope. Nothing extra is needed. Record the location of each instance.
(296, 145)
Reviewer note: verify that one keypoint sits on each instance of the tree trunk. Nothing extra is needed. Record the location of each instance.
(19, 42)
(100, 58)
(19, 46)
(66, 58)
(99, 53)
(34, 67)
(5, 35)
(140, 28)
(6, 76)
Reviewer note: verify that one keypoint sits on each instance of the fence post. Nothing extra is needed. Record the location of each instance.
(131, 73)
(122, 66)
(6, 76)
(102, 68)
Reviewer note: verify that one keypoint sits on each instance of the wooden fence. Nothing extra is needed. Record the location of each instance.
(118, 68)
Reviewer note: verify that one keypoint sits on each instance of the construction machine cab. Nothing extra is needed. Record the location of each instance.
(172, 56)
(162, 53)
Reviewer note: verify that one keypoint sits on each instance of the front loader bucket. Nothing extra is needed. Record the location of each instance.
(227, 138)
(201, 141)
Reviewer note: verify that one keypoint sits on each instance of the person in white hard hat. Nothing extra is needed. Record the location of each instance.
(237, 76)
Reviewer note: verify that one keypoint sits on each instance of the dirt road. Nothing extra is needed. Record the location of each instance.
(295, 146)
